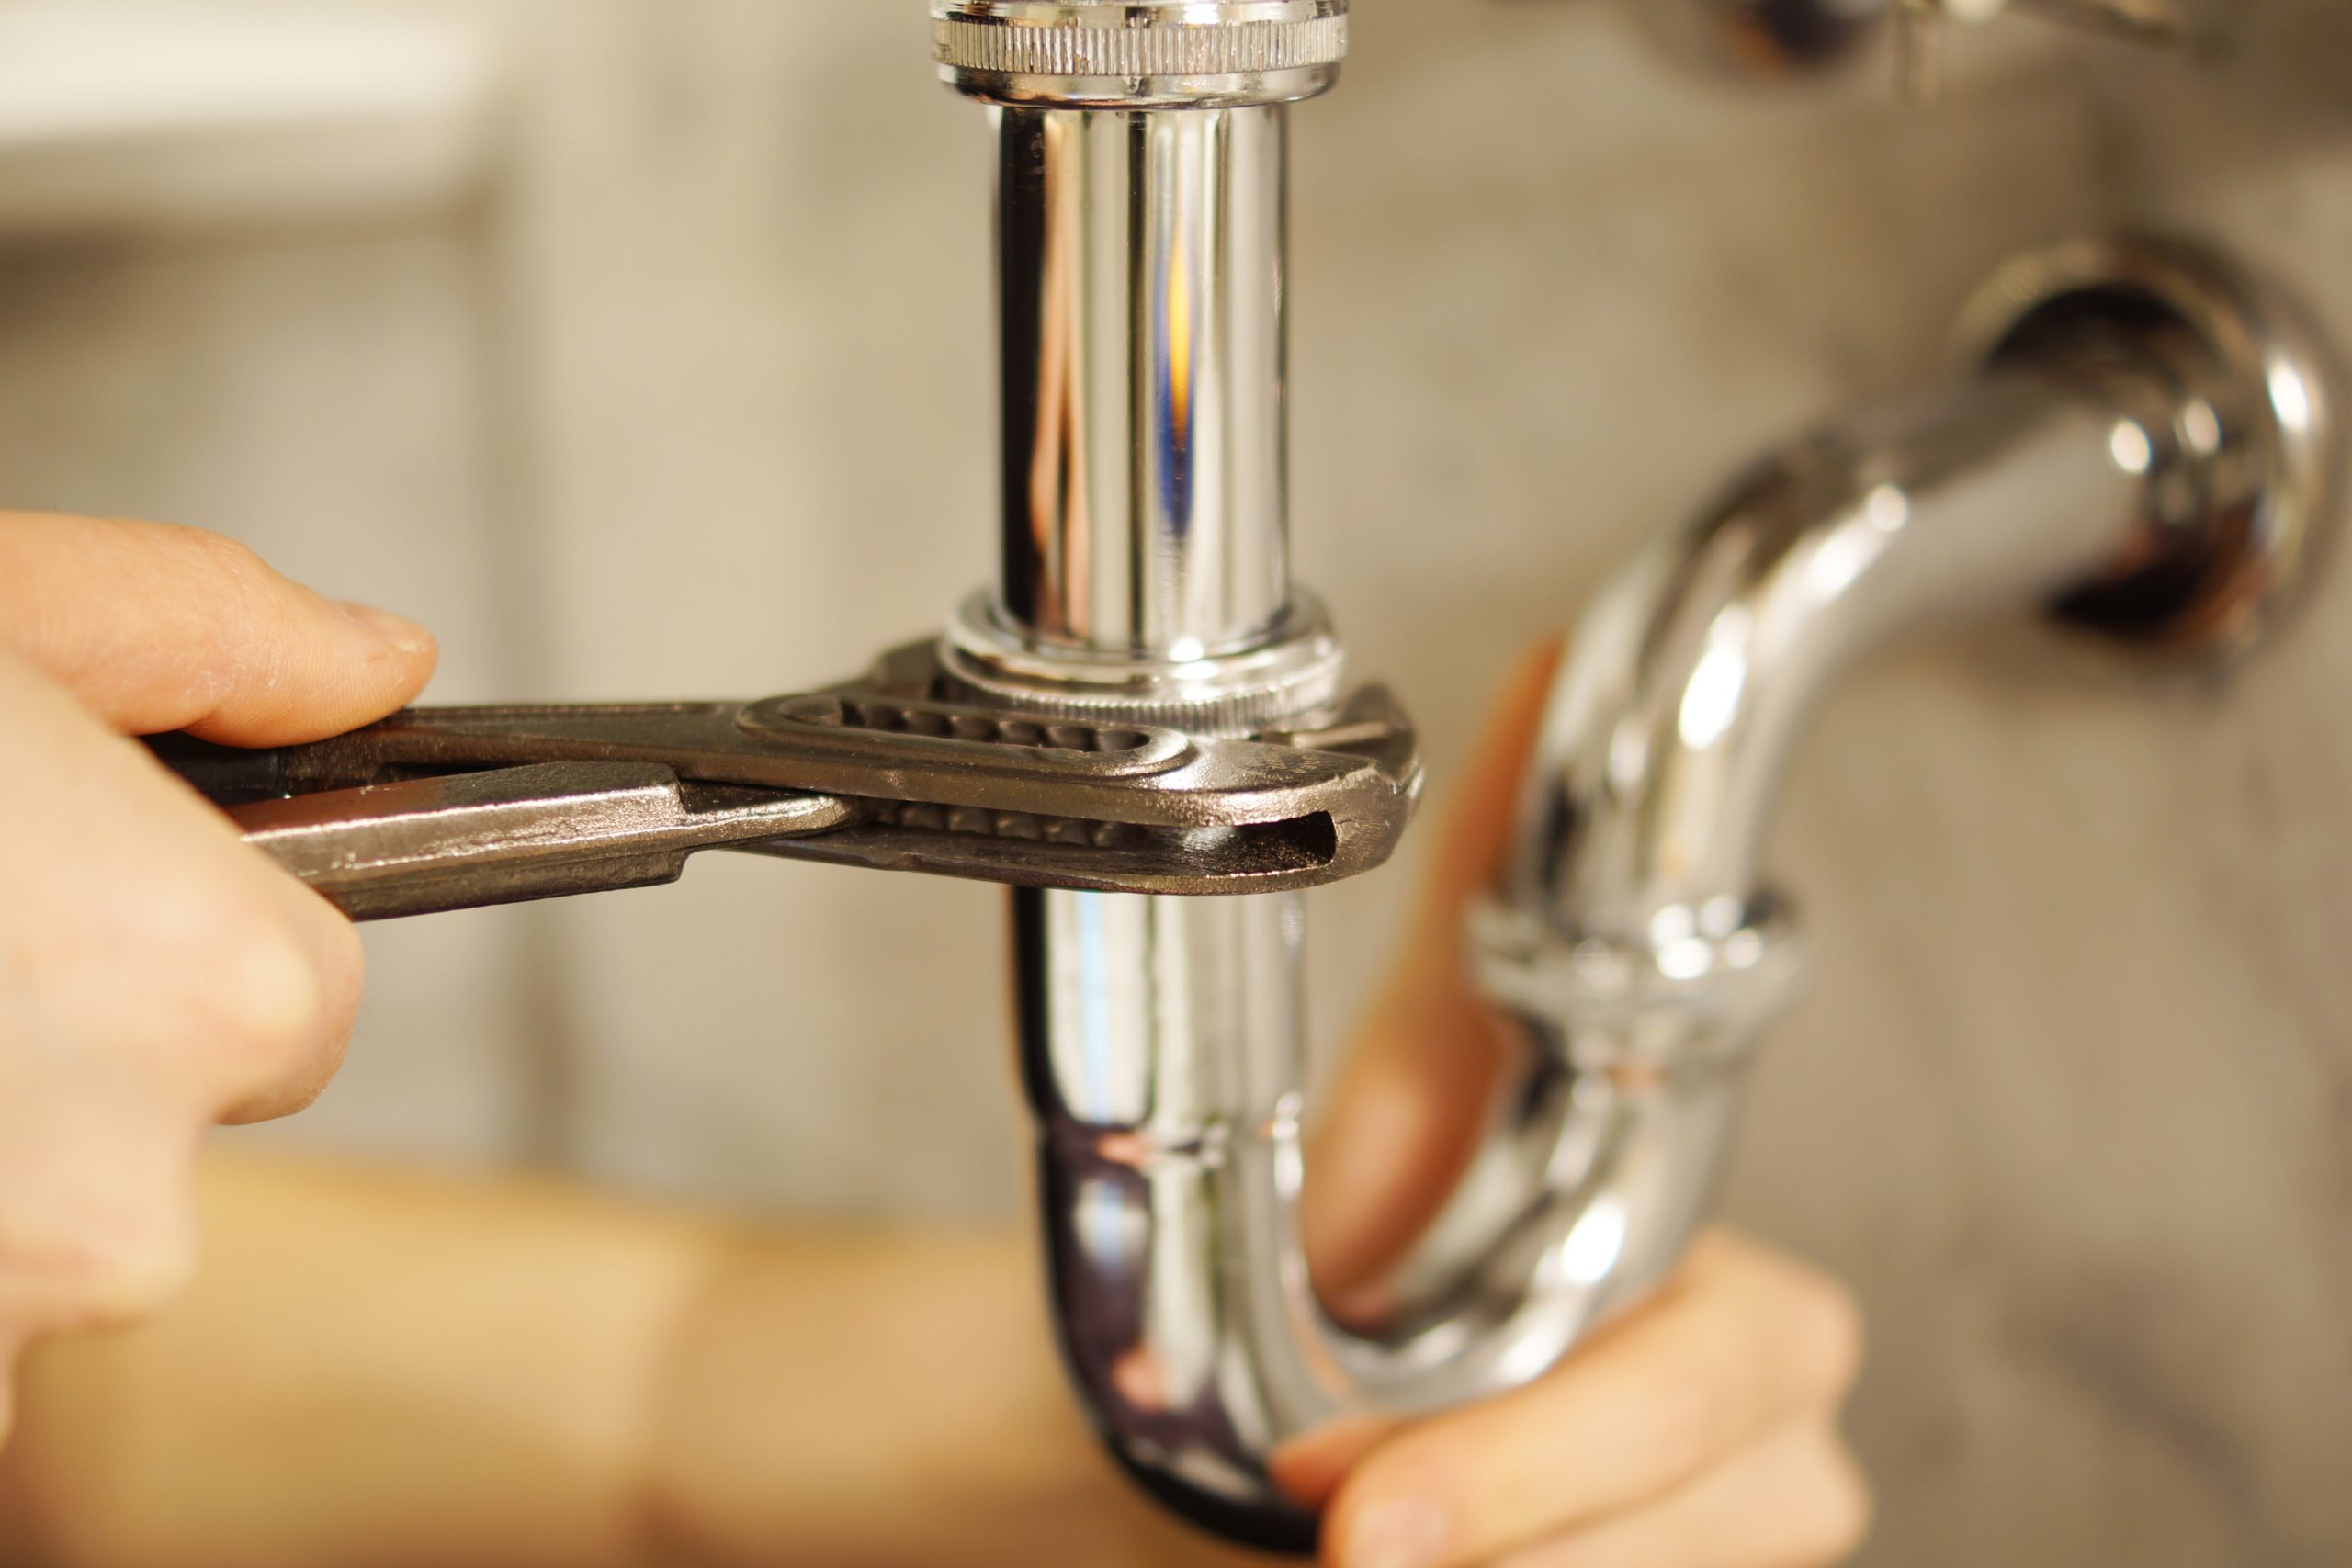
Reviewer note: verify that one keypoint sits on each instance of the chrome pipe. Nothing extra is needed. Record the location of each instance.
(1634, 940)
(1145, 470)
(2143, 447)
(1145, 527)
(1697, 670)
(1145, 575)
(1161, 1038)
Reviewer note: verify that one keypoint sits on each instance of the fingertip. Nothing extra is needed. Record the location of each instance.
(1397, 1532)
(1404, 1123)
(294, 1007)
(1312, 1467)
(338, 965)
(1824, 1336)
(372, 660)
(350, 666)
(404, 636)
(1394, 1511)
(402, 663)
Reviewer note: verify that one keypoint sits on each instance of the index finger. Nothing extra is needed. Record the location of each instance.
(152, 627)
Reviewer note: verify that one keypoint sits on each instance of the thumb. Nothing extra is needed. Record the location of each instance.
(1411, 1100)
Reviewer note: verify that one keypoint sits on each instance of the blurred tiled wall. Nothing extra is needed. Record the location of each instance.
(694, 398)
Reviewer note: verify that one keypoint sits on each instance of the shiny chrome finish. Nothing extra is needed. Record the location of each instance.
(1296, 666)
(1140, 53)
(1161, 1043)
(1633, 942)
(1146, 464)
(1146, 572)
(2138, 430)
(1636, 891)
(2220, 570)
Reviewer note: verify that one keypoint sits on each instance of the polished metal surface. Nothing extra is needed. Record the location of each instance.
(516, 834)
(1146, 568)
(1297, 666)
(1696, 671)
(2132, 419)
(1161, 1043)
(1633, 942)
(1140, 53)
(907, 779)
(1146, 462)
(2227, 563)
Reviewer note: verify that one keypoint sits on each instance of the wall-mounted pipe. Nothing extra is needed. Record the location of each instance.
(2141, 444)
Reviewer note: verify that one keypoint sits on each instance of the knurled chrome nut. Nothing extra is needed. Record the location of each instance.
(1298, 669)
(1140, 53)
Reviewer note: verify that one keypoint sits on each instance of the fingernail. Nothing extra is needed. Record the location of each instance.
(1406, 1533)
(398, 631)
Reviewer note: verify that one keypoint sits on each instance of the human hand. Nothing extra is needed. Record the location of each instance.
(156, 975)
(1699, 1432)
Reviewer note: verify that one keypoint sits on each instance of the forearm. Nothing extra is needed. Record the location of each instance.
(376, 1368)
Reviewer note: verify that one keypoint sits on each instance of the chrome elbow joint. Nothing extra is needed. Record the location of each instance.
(2141, 444)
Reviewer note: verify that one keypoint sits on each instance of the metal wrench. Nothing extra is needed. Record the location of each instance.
(449, 808)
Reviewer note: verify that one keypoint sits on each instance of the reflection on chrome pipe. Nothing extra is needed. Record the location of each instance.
(1633, 940)
(1146, 571)
(1140, 257)
(1146, 575)
(1696, 671)
(1161, 1038)
(2147, 452)
(1161, 1046)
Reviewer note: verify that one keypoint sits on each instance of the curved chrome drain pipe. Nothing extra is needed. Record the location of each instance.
(2142, 445)
(2135, 440)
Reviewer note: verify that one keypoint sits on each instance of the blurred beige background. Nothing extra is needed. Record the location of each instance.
(665, 372)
